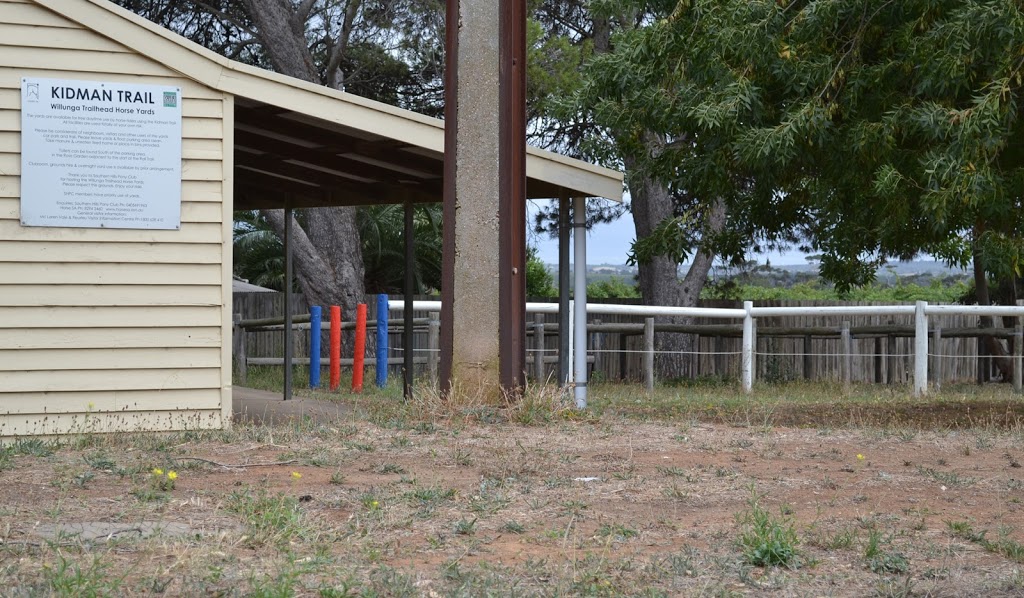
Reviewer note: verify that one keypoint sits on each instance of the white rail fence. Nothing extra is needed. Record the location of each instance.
(749, 314)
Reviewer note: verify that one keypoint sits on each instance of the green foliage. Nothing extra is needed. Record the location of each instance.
(816, 291)
(767, 540)
(867, 129)
(612, 288)
(381, 229)
(259, 253)
(539, 282)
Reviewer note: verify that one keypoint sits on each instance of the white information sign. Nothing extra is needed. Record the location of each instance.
(100, 155)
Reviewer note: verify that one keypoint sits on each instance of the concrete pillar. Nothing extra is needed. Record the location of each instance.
(483, 273)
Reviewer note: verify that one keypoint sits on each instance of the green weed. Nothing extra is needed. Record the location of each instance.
(1002, 545)
(768, 540)
(880, 559)
(270, 519)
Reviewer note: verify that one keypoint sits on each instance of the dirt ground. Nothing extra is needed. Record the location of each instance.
(567, 508)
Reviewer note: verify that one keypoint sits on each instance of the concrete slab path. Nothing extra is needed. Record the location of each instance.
(261, 406)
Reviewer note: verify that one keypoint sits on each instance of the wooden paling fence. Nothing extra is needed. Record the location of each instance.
(872, 349)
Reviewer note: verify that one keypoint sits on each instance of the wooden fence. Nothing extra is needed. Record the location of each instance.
(881, 347)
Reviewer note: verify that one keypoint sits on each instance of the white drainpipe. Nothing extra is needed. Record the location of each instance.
(579, 236)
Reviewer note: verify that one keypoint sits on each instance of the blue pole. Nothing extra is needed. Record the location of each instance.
(382, 340)
(314, 346)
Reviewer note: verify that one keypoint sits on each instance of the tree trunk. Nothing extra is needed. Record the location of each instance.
(326, 270)
(282, 32)
(651, 203)
(659, 279)
(327, 252)
(995, 347)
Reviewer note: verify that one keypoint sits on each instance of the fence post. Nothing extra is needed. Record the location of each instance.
(720, 369)
(878, 360)
(382, 340)
(747, 358)
(808, 358)
(623, 363)
(315, 318)
(890, 361)
(1018, 350)
(920, 349)
(753, 352)
(433, 344)
(649, 354)
(937, 356)
(238, 341)
(982, 352)
(596, 342)
(538, 348)
(847, 363)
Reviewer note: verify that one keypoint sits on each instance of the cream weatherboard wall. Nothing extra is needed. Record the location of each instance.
(104, 330)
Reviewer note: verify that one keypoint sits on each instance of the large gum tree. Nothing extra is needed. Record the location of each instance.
(870, 129)
(385, 50)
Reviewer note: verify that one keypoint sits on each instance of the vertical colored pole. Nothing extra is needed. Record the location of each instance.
(315, 316)
(359, 353)
(382, 340)
(335, 347)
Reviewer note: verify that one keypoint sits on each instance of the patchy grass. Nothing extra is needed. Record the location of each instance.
(637, 496)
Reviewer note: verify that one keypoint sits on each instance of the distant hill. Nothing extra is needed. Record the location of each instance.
(886, 273)
(902, 269)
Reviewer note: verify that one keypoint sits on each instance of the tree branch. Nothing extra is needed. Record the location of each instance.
(223, 16)
(337, 53)
(303, 10)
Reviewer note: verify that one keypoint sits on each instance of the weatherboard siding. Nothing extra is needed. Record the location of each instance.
(112, 329)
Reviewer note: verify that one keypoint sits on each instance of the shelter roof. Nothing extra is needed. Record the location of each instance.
(318, 146)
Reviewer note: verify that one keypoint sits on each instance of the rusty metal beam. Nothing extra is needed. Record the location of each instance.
(448, 210)
(512, 193)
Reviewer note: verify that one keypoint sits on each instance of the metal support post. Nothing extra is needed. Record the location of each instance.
(580, 301)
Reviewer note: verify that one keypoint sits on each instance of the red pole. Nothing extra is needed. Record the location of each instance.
(335, 347)
(360, 349)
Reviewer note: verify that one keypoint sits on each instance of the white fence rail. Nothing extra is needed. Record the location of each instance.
(749, 314)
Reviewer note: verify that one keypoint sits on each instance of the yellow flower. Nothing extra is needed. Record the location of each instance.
(92, 405)
(158, 471)
(860, 457)
(374, 504)
(296, 475)
(172, 475)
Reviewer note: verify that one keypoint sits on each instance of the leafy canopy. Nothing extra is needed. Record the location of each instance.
(866, 129)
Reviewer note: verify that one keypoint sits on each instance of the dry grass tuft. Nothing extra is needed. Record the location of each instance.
(534, 404)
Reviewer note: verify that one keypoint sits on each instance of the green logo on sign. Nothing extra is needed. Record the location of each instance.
(170, 99)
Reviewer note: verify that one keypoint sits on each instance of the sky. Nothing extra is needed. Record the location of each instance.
(609, 243)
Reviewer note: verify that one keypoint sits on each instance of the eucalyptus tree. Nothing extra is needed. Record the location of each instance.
(573, 43)
(871, 129)
(388, 50)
